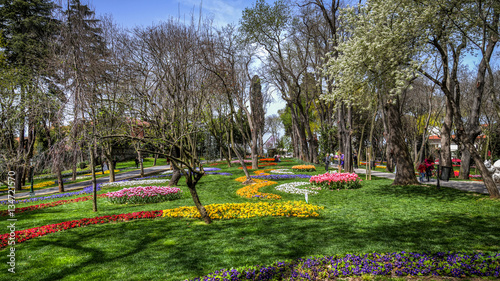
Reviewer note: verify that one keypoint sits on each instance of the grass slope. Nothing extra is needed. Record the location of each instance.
(376, 218)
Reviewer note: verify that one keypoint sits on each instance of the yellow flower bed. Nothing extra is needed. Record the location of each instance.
(252, 190)
(248, 210)
(380, 166)
(307, 168)
(100, 173)
(263, 172)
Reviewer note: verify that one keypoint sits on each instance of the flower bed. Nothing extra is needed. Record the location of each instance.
(252, 190)
(291, 187)
(88, 189)
(101, 173)
(132, 182)
(281, 171)
(281, 177)
(248, 210)
(47, 205)
(217, 173)
(337, 180)
(304, 168)
(458, 265)
(260, 165)
(266, 160)
(27, 234)
(147, 194)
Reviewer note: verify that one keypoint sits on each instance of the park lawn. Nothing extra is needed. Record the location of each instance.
(378, 217)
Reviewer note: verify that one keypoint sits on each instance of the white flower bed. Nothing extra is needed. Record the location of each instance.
(291, 188)
(83, 177)
(281, 171)
(135, 182)
(167, 172)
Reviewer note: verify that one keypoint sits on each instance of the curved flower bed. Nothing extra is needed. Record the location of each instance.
(337, 180)
(248, 210)
(281, 177)
(291, 187)
(252, 190)
(47, 205)
(217, 173)
(101, 173)
(86, 190)
(304, 168)
(281, 171)
(147, 194)
(260, 165)
(450, 264)
(27, 234)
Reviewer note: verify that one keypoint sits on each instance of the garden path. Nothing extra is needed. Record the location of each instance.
(470, 186)
(80, 185)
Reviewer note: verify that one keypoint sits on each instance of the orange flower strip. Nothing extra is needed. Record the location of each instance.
(266, 160)
(304, 168)
(248, 210)
(260, 165)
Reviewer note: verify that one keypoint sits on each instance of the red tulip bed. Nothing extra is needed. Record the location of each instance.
(27, 234)
(47, 205)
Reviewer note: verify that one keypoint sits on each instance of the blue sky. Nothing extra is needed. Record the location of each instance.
(130, 13)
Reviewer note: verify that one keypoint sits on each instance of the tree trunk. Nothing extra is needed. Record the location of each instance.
(176, 175)
(141, 163)
(94, 181)
(111, 167)
(405, 173)
(446, 136)
(487, 179)
(60, 182)
(465, 164)
(255, 159)
(203, 212)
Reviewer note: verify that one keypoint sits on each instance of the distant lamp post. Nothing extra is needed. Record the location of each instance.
(32, 192)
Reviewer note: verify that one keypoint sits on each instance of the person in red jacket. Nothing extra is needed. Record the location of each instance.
(429, 166)
(421, 169)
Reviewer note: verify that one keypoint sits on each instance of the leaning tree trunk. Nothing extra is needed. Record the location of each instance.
(405, 173)
(191, 183)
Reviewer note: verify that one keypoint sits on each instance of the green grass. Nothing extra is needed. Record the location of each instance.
(378, 217)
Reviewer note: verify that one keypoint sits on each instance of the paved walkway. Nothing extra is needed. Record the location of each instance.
(470, 186)
(80, 185)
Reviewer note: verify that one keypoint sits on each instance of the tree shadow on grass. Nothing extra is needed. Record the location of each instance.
(412, 191)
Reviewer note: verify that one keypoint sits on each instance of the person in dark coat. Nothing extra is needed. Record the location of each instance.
(327, 162)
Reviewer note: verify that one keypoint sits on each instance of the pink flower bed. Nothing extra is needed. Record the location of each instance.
(336, 181)
(147, 194)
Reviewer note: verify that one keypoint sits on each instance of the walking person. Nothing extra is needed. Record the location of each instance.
(355, 160)
(422, 169)
(429, 166)
(327, 162)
